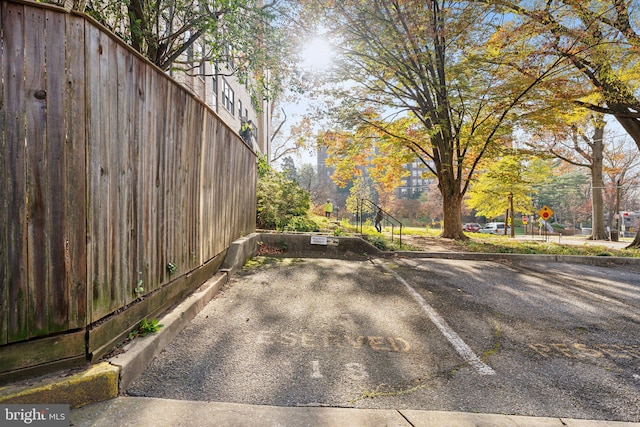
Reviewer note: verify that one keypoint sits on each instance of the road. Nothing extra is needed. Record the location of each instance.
(525, 338)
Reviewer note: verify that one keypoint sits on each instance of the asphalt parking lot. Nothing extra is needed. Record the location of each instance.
(525, 338)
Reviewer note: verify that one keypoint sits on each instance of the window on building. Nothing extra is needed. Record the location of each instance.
(228, 53)
(228, 97)
(214, 88)
(189, 49)
(240, 108)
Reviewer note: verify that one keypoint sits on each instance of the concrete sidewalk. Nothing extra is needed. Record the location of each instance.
(140, 411)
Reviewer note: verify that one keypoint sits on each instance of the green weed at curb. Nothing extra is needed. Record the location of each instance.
(145, 328)
(171, 268)
(260, 261)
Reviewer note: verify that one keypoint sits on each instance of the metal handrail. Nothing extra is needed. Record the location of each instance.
(390, 218)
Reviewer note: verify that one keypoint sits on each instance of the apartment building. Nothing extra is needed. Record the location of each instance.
(243, 109)
(415, 183)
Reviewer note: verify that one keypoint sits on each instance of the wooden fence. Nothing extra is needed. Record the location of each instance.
(120, 191)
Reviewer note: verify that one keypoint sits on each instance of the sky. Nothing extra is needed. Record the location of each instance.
(317, 56)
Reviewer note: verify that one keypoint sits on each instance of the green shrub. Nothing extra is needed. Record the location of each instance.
(340, 232)
(280, 200)
(378, 241)
(301, 223)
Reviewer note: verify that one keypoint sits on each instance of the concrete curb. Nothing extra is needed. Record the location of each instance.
(602, 261)
(139, 353)
(97, 383)
(238, 252)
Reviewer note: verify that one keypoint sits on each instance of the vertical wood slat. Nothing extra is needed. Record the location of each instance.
(191, 174)
(4, 196)
(198, 121)
(217, 221)
(188, 148)
(102, 171)
(111, 149)
(150, 180)
(181, 165)
(75, 170)
(36, 166)
(120, 145)
(55, 214)
(132, 141)
(147, 173)
(92, 76)
(163, 145)
(204, 190)
(137, 125)
(170, 160)
(14, 157)
(228, 189)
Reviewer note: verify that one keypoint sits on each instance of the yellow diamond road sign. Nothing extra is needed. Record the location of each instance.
(545, 213)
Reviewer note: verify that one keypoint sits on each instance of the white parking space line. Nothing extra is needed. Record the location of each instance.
(458, 344)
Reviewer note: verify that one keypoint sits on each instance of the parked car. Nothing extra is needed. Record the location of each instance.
(472, 227)
(494, 228)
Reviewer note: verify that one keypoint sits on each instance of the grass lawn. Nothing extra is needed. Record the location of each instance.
(563, 245)
(555, 245)
(567, 246)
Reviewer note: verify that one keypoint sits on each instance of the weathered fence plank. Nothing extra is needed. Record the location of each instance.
(110, 148)
(4, 197)
(16, 242)
(36, 183)
(94, 170)
(75, 167)
(55, 214)
(123, 242)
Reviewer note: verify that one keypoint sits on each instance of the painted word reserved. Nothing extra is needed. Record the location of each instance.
(307, 340)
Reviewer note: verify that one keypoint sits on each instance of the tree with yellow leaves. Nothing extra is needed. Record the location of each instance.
(416, 79)
(597, 40)
(507, 183)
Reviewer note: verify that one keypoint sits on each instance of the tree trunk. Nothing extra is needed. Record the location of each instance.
(636, 242)
(632, 126)
(597, 186)
(452, 209)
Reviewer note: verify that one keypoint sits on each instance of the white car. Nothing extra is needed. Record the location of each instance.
(494, 228)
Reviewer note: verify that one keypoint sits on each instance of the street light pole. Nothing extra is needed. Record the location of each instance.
(511, 223)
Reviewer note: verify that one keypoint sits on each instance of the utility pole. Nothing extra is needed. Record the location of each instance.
(510, 222)
(614, 234)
